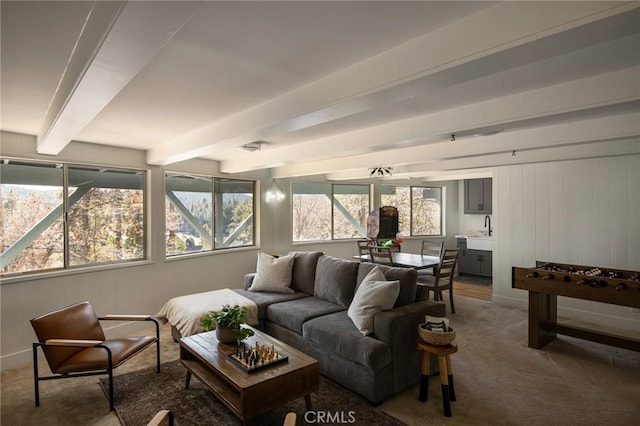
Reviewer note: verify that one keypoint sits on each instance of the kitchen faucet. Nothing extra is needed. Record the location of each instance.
(487, 217)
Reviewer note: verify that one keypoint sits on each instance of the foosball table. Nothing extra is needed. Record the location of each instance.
(548, 280)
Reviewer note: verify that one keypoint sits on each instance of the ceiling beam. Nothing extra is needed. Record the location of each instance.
(563, 134)
(514, 110)
(630, 146)
(350, 91)
(116, 42)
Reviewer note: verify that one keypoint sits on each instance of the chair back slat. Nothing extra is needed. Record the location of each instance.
(447, 266)
(432, 247)
(381, 255)
(78, 321)
(363, 248)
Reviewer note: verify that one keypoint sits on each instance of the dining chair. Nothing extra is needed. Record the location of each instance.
(431, 247)
(363, 249)
(381, 255)
(444, 277)
(74, 344)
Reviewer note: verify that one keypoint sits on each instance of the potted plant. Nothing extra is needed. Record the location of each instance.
(228, 322)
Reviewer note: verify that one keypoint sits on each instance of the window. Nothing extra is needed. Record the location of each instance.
(419, 208)
(197, 223)
(105, 211)
(234, 213)
(322, 211)
(188, 214)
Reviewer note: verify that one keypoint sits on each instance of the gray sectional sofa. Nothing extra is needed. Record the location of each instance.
(314, 319)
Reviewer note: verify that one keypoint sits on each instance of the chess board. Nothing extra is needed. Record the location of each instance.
(256, 357)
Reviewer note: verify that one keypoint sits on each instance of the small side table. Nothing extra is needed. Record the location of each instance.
(446, 374)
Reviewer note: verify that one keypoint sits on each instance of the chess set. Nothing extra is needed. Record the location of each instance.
(256, 357)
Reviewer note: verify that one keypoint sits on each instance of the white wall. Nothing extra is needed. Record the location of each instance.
(584, 212)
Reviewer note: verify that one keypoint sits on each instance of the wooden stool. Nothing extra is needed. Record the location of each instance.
(446, 374)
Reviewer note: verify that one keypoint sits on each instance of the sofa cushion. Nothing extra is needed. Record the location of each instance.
(293, 314)
(407, 277)
(335, 332)
(373, 295)
(273, 274)
(303, 275)
(335, 280)
(264, 299)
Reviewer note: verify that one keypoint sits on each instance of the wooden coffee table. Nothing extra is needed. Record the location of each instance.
(248, 394)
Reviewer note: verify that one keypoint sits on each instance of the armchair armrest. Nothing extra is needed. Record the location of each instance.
(126, 317)
(72, 342)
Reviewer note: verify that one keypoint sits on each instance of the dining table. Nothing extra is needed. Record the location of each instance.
(407, 260)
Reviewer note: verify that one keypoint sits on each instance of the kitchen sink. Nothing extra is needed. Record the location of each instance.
(480, 243)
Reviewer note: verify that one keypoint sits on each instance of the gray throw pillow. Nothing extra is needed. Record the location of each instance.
(335, 280)
(273, 274)
(373, 295)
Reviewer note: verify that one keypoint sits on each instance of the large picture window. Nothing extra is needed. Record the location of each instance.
(419, 208)
(323, 211)
(204, 213)
(104, 207)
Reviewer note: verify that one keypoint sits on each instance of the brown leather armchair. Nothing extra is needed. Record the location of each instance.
(162, 417)
(74, 344)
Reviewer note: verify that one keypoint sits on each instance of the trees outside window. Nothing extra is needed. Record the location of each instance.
(104, 207)
(188, 213)
(419, 208)
(323, 211)
(204, 213)
(235, 221)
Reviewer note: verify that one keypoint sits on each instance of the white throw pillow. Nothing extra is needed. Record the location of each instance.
(273, 274)
(374, 294)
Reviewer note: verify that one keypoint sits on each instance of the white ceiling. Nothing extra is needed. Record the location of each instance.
(335, 88)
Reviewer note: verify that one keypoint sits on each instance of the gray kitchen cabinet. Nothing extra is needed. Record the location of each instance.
(474, 262)
(480, 263)
(477, 196)
(463, 256)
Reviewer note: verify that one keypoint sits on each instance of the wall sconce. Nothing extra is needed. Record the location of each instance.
(274, 194)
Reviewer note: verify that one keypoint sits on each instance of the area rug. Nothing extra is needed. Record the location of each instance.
(139, 395)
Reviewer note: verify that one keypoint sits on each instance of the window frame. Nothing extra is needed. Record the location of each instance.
(66, 266)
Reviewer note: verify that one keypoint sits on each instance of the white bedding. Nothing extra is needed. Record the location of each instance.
(186, 312)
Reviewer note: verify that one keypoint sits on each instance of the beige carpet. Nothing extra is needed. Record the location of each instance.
(498, 380)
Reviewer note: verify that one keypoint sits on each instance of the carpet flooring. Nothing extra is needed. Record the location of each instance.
(197, 406)
(499, 380)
